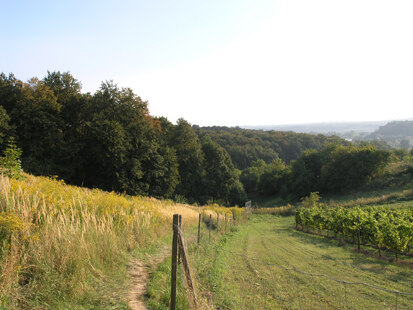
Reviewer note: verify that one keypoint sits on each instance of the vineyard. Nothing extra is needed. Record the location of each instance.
(380, 226)
(267, 264)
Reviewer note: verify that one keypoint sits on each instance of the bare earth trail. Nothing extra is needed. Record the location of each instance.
(139, 273)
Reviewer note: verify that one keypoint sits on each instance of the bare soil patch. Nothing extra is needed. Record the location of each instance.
(139, 273)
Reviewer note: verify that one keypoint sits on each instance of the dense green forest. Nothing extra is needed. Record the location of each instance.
(247, 146)
(109, 140)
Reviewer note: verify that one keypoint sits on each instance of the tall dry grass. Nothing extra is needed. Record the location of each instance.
(405, 195)
(60, 242)
(287, 210)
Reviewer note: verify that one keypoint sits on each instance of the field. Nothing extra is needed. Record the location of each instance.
(247, 270)
(67, 247)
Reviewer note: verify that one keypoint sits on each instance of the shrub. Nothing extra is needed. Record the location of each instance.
(10, 164)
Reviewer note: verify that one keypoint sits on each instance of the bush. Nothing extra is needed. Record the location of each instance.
(10, 164)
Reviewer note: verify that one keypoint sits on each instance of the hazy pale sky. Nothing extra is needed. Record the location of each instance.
(225, 62)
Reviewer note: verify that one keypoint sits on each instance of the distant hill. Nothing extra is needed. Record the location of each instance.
(324, 128)
(396, 134)
(395, 129)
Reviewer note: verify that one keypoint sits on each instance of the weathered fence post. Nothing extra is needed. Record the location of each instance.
(180, 227)
(210, 224)
(225, 223)
(199, 228)
(233, 217)
(187, 271)
(174, 262)
(218, 222)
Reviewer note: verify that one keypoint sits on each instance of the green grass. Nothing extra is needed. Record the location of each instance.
(159, 285)
(160, 277)
(159, 288)
(239, 282)
(266, 201)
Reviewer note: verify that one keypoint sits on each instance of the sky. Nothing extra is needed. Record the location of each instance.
(225, 62)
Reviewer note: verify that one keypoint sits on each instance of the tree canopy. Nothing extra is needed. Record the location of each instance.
(110, 141)
(246, 146)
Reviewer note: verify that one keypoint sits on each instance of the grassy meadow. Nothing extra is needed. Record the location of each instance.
(67, 247)
(245, 270)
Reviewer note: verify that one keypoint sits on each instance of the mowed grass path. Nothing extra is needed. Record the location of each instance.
(239, 282)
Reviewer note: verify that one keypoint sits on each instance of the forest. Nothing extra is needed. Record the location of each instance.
(109, 140)
(246, 146)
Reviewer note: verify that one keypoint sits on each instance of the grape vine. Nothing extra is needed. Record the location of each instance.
(384, 228)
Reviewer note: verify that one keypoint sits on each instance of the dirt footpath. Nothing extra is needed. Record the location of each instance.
(139, 273)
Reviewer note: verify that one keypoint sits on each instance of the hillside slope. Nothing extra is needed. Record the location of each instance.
(67, 247)
(396, 134)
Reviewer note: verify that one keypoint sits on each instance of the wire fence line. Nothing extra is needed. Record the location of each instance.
(290, 270)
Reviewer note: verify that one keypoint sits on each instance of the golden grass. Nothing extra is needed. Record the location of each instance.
(70, 238)
(284, 210)
(406, 194)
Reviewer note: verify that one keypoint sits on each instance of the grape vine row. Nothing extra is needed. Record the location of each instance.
(384, 228)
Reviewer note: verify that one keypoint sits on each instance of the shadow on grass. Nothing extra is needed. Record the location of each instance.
(356, 258)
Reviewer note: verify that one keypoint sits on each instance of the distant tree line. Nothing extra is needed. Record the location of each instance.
(333, 169)
(246, 146)
(294, 164)
(109, 140)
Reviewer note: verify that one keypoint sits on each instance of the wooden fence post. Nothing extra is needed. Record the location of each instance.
(233, 217)
(210, 224)
(225, 223)
(218, 222)
(187, 271)
(180, 227)
(199, 228)
(174, 262)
